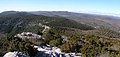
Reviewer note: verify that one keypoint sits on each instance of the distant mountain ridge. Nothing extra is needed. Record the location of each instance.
(17, 22)
(111, 22)
(96, 21)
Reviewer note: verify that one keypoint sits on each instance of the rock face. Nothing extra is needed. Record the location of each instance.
(15, 54)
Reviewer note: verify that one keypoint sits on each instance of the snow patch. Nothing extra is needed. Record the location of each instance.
(15, 54)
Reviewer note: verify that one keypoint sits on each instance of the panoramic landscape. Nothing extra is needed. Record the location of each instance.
(64, 28)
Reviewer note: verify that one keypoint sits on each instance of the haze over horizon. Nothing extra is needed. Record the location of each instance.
(104, 7)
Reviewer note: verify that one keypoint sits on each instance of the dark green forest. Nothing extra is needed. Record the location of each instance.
(80, 38)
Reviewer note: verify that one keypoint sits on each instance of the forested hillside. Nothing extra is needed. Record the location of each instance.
(69, 35)
(19, 21)
(12, 23)
(110, 22)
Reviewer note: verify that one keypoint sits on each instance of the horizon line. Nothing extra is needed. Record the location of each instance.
(83, 12)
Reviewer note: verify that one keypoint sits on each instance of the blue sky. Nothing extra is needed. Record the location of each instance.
(110, 7)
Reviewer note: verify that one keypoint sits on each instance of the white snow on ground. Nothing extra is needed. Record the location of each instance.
(15, 54)
(27, 35)
(46, 28)
(48, 51)
(44, 51)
